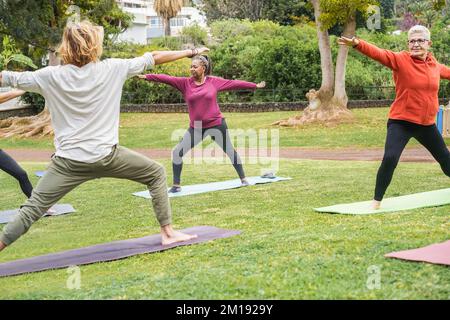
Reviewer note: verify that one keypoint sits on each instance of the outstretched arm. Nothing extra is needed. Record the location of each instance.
(445, 72)
(224, 84)
(135, 66)
(30, 81)
(385, 57)
(161, 57)
(176, 82)
(6, 96)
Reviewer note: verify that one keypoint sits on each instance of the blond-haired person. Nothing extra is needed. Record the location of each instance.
(83, 97)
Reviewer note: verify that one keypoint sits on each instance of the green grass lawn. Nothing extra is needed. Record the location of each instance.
(285, 251)
(154, 130)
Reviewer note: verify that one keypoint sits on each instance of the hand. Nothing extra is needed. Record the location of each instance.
(348, 41)
(202, 50)
(142, 76)
(261, 85)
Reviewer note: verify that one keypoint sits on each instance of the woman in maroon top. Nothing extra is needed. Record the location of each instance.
(200, 93)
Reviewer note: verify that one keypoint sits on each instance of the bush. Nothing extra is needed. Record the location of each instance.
(194, 34)
(287, 58)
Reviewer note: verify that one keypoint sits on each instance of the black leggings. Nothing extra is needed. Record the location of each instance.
(398, 134)
(10, 166)
(192, 137)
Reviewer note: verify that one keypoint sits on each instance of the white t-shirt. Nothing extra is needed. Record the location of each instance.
(84, 103)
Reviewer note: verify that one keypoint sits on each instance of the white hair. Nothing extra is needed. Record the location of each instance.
(418, 29)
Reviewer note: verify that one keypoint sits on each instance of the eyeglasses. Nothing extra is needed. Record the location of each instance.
(418, 41)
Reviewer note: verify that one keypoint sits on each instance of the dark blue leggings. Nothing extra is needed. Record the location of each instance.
(10, 166)
(399, 133)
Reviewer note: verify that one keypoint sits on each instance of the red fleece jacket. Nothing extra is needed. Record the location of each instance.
(416, 83)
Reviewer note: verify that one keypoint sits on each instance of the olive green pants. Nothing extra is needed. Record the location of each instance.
(63, 175)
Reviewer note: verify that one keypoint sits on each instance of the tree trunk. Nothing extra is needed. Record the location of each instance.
(324, 106)
(166, 23)
(326, 59)
(25, 127)
(39, 125)
(340, 98)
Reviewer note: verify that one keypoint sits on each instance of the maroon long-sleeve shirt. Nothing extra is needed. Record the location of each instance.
(202, 99)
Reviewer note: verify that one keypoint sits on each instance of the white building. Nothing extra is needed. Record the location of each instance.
(146, 23)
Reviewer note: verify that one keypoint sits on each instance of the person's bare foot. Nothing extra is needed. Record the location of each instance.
(375, 205)
(170, 236)
(2, 246)
(50, 212)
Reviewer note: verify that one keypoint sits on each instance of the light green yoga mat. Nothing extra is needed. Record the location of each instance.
(412, 201)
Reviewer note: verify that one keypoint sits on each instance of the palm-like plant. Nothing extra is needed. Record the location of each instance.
(167, 9)
(425, 11)
(11, 54)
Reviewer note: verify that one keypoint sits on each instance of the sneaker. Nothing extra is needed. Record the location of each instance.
(174, 189)
(244, 183)
(268, 175)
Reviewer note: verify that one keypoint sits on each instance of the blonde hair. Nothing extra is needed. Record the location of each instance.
(418, 29)
(82, 43)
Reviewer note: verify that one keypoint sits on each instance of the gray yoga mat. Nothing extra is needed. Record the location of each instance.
(8, 215)
(109, 251)
(214, 186)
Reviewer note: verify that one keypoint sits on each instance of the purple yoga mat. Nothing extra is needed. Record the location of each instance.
(109, 251)
(438, 253)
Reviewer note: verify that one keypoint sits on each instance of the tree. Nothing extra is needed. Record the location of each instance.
(329, 103)
(167, 9)
(424, 12)
(387, 8)
(10, 54)
(286, 12)
(227, 9)
(39, 24)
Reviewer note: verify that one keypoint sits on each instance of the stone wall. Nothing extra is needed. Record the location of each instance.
(247, 107)
(225, 107)
(22, 112)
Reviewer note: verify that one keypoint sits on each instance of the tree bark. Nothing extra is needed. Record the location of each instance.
(166, 27)
(326, 60)
(340, 98)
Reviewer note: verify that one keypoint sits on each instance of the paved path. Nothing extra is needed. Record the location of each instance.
(415, 154)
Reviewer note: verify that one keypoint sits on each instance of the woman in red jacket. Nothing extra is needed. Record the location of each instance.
(412, 115)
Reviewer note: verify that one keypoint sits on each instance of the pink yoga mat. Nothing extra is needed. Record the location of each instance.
(438, 253)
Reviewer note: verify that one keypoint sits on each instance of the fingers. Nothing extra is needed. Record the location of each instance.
(345, 41)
